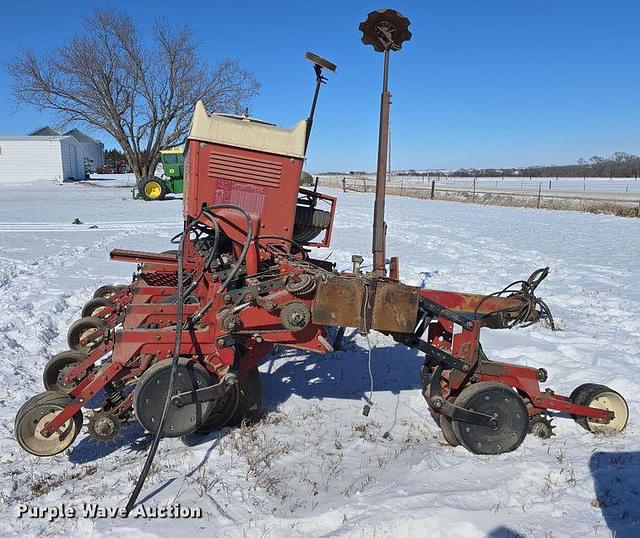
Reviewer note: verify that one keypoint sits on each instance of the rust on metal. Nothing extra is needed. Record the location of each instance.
(395, 308)
(366, 303)
(339, 302)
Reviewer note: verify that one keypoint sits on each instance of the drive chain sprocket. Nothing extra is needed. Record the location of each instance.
(230, 323)
(541, 426)
(295, 316)
(104, 426)
(300, 284)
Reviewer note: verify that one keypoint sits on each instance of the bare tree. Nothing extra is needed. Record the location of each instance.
(142, 95)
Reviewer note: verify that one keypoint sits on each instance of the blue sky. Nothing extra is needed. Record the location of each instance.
(481, 83)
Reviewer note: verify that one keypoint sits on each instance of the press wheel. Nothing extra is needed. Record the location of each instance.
(86, 334)
(601, 397)
(58, 367)
(94, 308)
(35, 414)
(107, 291)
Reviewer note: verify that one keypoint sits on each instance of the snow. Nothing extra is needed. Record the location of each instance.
(314, 465)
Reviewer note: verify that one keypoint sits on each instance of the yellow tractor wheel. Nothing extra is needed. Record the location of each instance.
(153, 189)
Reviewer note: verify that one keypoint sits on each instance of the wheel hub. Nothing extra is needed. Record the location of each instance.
(151, 391)
(104, 426)
(510, 421)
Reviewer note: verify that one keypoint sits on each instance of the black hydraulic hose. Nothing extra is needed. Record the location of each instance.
(180, 327)
(245, 248)
(174, 364)
(243, 253)
(208, 261)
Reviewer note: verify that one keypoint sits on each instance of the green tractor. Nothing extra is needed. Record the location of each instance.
(172, 180)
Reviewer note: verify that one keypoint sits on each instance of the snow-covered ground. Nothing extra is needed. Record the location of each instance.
(315, 466)
(577, 187)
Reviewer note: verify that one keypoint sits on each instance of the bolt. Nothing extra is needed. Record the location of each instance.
(227, 298)
(258, 339)
(465, 368)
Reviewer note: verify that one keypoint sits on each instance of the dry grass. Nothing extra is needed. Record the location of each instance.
(619, 209)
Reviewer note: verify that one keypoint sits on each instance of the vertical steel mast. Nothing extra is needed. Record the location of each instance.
(385, 30)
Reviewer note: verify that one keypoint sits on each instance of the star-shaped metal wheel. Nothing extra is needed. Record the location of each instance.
(385, 29)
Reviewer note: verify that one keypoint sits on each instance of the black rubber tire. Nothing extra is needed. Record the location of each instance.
(577, 397)
(155, 181)
(54, 367)
(81, 325)
(309, 222)
(92, 306)
(151, 390)
(28, 417)
(496, 399)
(586, 394)
(106, 291)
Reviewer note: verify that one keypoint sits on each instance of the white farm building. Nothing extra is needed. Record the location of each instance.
(46, 154)
(30, 158)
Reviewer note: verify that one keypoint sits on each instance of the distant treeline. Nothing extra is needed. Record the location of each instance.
(618, 165)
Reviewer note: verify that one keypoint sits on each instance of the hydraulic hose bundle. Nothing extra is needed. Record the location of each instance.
(180, 326)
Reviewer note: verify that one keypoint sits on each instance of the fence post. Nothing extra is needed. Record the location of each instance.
(433, 189)
(539, 194)
(474, 188)
(549, 184)
(584, 184)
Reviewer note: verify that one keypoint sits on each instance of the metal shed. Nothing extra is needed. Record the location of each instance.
(93, 149)
(31, 158)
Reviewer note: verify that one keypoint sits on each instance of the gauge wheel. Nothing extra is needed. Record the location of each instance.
(499, 401)
(151, 391)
